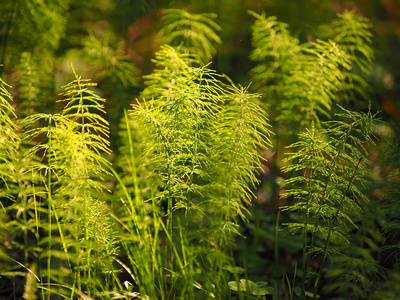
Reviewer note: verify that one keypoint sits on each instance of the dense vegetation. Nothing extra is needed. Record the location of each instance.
(199, 166)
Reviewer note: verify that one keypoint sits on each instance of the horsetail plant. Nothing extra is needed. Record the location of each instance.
(9, 138)
(331, 166)
(352, 33)
(19, 206)
(193, 33)
(75, 142)
(301, 81)
(199, 132)
(162, 220)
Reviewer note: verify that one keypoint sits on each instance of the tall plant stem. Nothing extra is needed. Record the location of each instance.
(52, 210)
(138, 199)
(333, 163)
(24, 216)
(168, 230)
(133, 162)
(88, 239)
(305, 263)
(49, 212)
(333, 223)
(86, 197)
(37, 221)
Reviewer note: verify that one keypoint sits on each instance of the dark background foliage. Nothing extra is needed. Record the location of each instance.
(25, 26)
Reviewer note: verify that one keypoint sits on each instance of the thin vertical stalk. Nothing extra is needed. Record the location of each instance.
(37, 221)
(305, 262)
(133, 162)
(332, 166)
(333, 223)
(87, 239)
(52, 211)
(49, 211)
(24, 217)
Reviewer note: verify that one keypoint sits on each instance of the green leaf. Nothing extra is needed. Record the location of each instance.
(260, 288)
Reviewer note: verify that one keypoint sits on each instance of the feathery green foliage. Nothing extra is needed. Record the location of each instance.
(391, 248)
(30, 86)
(118, 76)
(9, 139)
(165, 215)
(36, 27)
(332, 168)
(300, 82)
(19, 209)
(275, 51)
(193, 33)
(75, 142)
(194, 125)
(353, 33)
(115, 66)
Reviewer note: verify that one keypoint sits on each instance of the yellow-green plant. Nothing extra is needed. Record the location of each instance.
(193, 33)
(19, 206)
(9, 138)
(353, 33)
(330, 168)
(75, 141)
(203, 138)
(301, 81)
(160, 218)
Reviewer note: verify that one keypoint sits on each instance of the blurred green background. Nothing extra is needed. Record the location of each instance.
(55, 32)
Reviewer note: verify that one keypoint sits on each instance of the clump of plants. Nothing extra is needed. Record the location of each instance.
(161, 216)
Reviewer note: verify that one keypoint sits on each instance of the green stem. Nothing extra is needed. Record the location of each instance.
(305, 261)
(333, 223)
(52, 210)
(133, 162)
(87, 239)
(332, 166)
(35, 205)
(49, 197)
